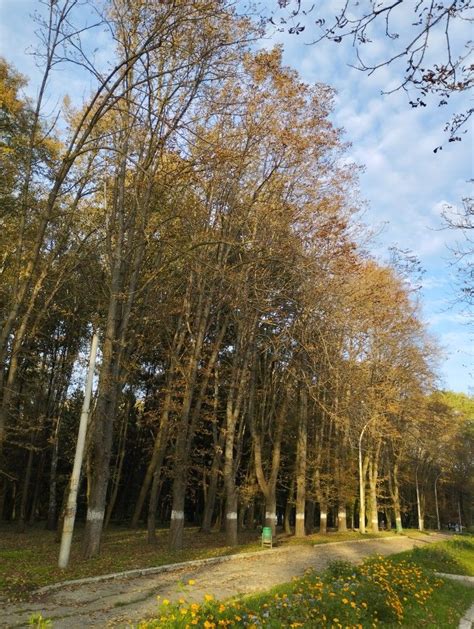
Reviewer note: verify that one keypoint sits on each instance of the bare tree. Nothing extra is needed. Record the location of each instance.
(411, 30)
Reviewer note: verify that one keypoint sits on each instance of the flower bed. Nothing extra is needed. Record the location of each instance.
(376, 592)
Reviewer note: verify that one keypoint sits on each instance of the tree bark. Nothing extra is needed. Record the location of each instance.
(212, 487)
(342, 518)
(268, 487)
(119, 463)
(24, 492)
(419, 503)
(301, 450)
(289, 507)
(395, 495)
(373, 476)
(310, 510)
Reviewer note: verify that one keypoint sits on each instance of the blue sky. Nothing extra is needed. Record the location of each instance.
(404, 183)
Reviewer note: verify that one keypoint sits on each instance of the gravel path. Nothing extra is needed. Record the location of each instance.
(120, 602)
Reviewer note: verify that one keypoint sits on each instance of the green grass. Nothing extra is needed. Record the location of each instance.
(389, 592)
(332, 536)
(453, 557)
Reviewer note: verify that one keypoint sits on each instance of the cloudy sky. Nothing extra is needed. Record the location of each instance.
(405, 184)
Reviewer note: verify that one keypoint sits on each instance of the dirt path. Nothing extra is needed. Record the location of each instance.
(123, 601)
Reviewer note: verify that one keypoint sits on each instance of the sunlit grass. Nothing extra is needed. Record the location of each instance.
(388, 592)
(453, 557)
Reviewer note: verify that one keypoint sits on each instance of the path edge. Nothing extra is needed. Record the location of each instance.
(467, 620)
(137, 572)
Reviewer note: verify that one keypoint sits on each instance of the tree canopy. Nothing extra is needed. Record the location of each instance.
(256, 365)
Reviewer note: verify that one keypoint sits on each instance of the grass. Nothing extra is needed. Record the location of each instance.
(453, 557)
(401, 590)
(29, 560)
(332, 536)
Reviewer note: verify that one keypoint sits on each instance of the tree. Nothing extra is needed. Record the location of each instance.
(462, 221)
(196, 211)
(411, 32)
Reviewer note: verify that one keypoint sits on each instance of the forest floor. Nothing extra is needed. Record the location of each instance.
(125, 600)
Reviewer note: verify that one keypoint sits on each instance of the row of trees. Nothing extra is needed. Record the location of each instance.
(197, 211)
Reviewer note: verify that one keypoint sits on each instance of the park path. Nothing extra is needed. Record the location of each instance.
(123, 601)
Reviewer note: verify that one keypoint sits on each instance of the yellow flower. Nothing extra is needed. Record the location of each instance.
(222, 608)
(208, 625)
(165, 602)
(191, 582)
(345, 601)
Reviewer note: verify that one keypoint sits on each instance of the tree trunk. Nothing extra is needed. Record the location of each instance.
(24, 492)
(156, 460)
(155, 489)
(352, 515)
(342, 518)
(212, 488)
(270, 510)
(229, 477)
(153, 505)
(323, 517)
(239, 380)
(119, 464)
(36, 492)
(250, 520)
(3, 493)
(102, 423)
(373, 476)
(268, 488)
(395, 495)
(188, 421)
(289, 507)
(301, 450)
(52, 502)
(419, 503)
(177, 509)
(178, 491)
(438, 522)
(310, 509)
